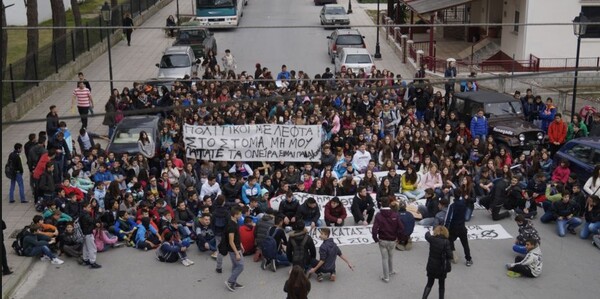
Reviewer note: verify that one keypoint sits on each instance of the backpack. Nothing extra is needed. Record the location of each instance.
(17, 245)
(298, 257)
(269, 245)
(220, 222)
(9, 169)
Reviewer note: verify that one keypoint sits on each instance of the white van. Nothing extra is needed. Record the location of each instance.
(355, 59)
(177, 62)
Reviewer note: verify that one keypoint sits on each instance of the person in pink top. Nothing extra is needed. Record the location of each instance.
(82, 96)
(561, 172)
(432, 179)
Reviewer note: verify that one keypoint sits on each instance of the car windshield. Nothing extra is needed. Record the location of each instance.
(130, 135)
(175, 61)
(503, 108)
(358, 58)
(192, 34)
(335, 11)
(215, 3)
(349, 40)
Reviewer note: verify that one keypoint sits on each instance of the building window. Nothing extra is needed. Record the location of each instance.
(593, 15)
(516, 27)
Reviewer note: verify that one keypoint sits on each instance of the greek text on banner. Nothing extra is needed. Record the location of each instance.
(265, 142)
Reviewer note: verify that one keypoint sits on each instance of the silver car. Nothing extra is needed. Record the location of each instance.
(355, 59)
(177, 62)
(334, 14)
(344, 38)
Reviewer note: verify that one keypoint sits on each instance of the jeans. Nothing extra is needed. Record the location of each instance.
(589, 228)
(212, 245)
(37, 250)
(562, 225)
(547, 217)
(387, 257)
(519, 249)
(430, 221)
(308, 222)
(111, 131)
(219, 256)
(468, 214)
(19, 180)
(238, 267)
(414, 194)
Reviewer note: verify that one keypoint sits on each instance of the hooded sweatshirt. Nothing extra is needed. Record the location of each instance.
(533, 260)
(387, 226)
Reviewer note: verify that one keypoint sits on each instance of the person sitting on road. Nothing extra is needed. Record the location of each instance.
(36, 243)
(171, 251)
(526, 232)
(528, 266)
(146, 236)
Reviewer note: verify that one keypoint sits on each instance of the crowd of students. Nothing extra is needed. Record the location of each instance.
(371, 122)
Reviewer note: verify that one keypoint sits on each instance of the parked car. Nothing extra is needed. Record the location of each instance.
(344, 38)
(127, 133)
(506, 122)
(355, 59)
(321, 2)
(200, 39)
(583, 155)
(334, 14)
(177, 62)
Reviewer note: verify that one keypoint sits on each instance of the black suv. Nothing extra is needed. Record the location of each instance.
(505, 119)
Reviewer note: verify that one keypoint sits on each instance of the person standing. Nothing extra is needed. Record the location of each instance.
(437, 262)
(83, 98)
(297, 286)
(128, 24)
(455, 222)
(231, 242)
(16, 166)
(87, 227)
(5, 268)
(84, 80)
(479, 125)
(110, 118)
(387, 229)
(228, 61)
(52, 122)
(557, 133)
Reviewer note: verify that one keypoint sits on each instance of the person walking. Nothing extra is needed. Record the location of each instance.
(455, 222)
(87, 227)
(110, 119)
(438, 264)
(128, 24)
(5, 268)
(387, 229)
(52, 122)
(297, 286)
(16, 174)
(228, 61)
(230, 244)
(83, 98)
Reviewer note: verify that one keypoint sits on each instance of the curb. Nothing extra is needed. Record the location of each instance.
(20, 277)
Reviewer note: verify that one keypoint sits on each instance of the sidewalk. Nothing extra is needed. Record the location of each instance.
(145, 51)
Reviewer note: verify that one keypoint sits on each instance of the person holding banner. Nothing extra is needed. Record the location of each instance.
(363, 206)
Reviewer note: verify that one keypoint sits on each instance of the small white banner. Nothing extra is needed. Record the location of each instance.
(357, 235)
(265, 142)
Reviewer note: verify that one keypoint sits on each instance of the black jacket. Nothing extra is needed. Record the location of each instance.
(593, 215)
(87, 222)
(232, 192)
(289, 209)
(307, 213)
(562, 209)
(435, 263)
(359, 205)
(46, 184)
(15, 159)
(310, 251)
(51, 124)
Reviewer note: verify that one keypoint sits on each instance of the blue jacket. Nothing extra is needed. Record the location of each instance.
(547, 116)
(103, 177)
(479, 126)
(140, 236)
(455, 217)
(409, 222)
(248, 192)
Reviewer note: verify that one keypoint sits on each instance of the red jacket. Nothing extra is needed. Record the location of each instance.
(561, 174)
(76, 190)
(332, 215)
(557, 132)
(247, 238)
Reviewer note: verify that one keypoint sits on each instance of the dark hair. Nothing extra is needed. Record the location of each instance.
(520, 218)
(336, 200)
(278, 219)
(235, 210)
(168, 235)
(18, 146)
(532, 241)
(385, 202)
(37, 218)
(326, 231)
(311, 201)
(298, 283)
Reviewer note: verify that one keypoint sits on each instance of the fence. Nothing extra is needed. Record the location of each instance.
(48, 59)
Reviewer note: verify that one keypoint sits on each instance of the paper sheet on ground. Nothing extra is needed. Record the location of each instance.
(359, 235)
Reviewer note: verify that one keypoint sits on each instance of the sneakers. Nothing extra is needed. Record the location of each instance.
(319, 277)
(95, 266)
(571, 230)
(332, 277)
(263, 264)
(469, 263)
(45, 258)
(454, 257)
(189, 261)
(214, 255)
(386, 280)
(392, 273)
(117, 245)
(513, 274)
(273, 266)
(185, 262)
(230, 286)
(86, 262)
(239, 286)
(219, 270)
(57, 261)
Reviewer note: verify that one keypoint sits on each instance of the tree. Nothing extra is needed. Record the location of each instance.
(390, 8)
(116, 18)
(4, 39)
(59, 35)
(78, 32)
(33, 40)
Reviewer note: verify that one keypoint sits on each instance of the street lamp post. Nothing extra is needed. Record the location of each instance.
(106, 17)
(178, 22)
(377, 49)
(349, 6)
(579, 28)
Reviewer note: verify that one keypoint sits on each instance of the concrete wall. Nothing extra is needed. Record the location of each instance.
(37, 95)
(514, 42)
(16, 15)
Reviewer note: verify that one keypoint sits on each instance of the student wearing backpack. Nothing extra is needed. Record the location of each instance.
(5, 268)
(218, 222)
(260, 233)
(36, 244)
(328, 252)
(14, 171)
(301, 248)
(273, 247)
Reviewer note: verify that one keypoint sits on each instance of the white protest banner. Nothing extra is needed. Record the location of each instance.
(357, 235)
(265, 142)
